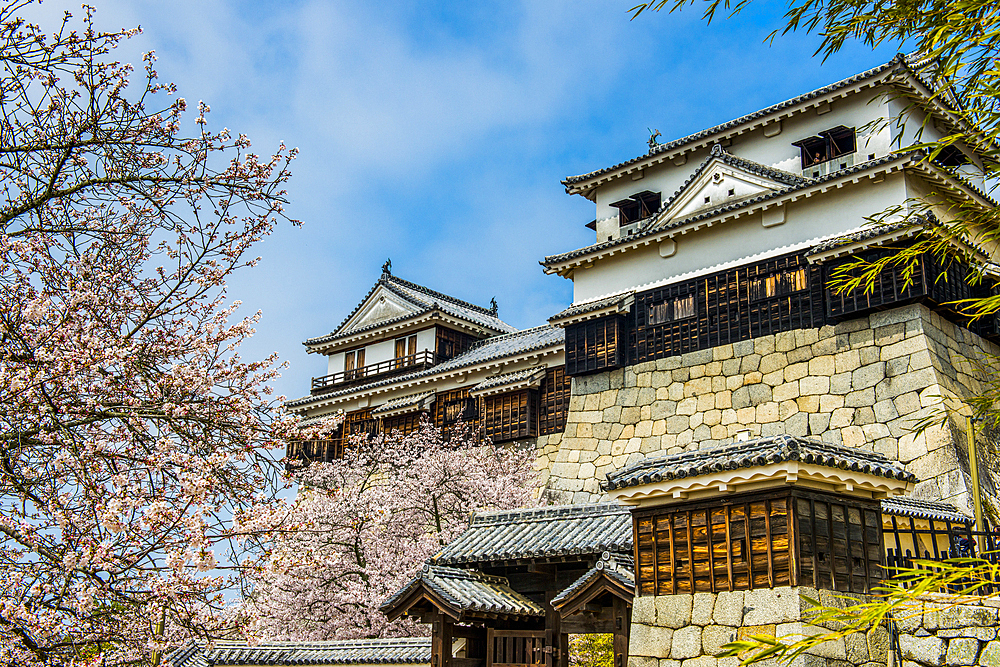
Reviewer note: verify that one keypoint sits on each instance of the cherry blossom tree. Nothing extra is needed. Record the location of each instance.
(364, 524)
(136, 466)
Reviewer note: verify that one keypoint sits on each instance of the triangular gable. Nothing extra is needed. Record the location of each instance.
(381, 305)
(720, 180)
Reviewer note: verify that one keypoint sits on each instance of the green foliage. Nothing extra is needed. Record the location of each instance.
(593, 650)
(967, 579)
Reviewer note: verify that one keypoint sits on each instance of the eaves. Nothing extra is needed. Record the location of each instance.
(424, 378)
(566, 263)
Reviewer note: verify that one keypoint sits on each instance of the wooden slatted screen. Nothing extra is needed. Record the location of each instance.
(889, 289)
(450, 343)
(779, 294)
(840, 543)
(515, 648)
(596, 345)
(452, 405)
(510, 416)
(553, 401)
(407, 423)
(746, 542)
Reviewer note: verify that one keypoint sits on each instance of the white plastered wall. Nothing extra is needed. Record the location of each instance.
(383, 350)
(822, 215)
(775, 151)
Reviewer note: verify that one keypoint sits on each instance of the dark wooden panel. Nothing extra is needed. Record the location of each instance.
(596, 345)
(553, 401)
(510, 416)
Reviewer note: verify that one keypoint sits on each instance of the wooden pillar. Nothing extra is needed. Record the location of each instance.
(441, 640)
(554, 655)
(622, 620)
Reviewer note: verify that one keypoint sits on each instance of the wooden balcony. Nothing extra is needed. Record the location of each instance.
(383, 369)
(319, 451)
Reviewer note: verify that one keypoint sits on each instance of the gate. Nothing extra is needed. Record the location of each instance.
(517, 648)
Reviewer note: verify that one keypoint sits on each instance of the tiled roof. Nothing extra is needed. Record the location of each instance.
(402, 403)
(615, 301)
(898, 61)
(468, 591)
(423, 300)
(864, 234)
(616, 566)
(509, 381)
(546, 532)
(652, 228)
(401, 651)
(719, 154)
(753, 453)
(923, 509)
(497, 347)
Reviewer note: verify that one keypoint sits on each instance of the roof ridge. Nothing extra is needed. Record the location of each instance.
(547, 513)
(736, 122)
(722, 208)
(440, 295)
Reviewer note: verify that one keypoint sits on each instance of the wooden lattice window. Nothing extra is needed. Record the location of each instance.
(553, 401)
(407, 423)
(452, 343)
(760, 540)
(840, 543)
(453, 405)
(596, 345)
(510, 416)
(354, 363)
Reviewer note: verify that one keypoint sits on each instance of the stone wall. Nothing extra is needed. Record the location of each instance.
(689, 630)
(935, 635)
(860, 383)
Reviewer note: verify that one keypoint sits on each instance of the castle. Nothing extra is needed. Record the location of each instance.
(751, 425)
(702, 314)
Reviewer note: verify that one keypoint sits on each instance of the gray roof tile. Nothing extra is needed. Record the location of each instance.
(497, 347)
(403, 651)
(424, 300)
(468, 591)
(652, 228)
(540, 533)
(614, 301)
(924, 509)
(401, 403)
(516, 380)
(752, 453)
(619, 567)
(898, 61)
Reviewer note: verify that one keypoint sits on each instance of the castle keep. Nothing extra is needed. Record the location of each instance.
(721, 432)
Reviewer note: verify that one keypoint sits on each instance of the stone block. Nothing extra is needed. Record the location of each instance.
(860, 398)
(743, 348)
(771, 605)
(787, 391)
(714, 637)
(760, 393)
(686, 641)
(819, 422)
(990, 655)
(701, 661)
(773, 362)
(868, 376)
(701, 608)
(846, 361)
(814, 384)
(668, 662)
(728, 608)
(962, 651)
(673, 611)
(650, 640)
(796, 371)
(767, 413)
(924, 650)
(962, 616)
(840, 383)
(763, 345)
(798, 424)
(808, 403)
(772, 379)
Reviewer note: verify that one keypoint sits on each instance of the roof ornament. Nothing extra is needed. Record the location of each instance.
(653, 134)
(387, 267)
(493, 306)
(717, 149)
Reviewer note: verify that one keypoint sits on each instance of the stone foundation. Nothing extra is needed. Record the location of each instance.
(860, 383)
(689, 630)
(933, 635)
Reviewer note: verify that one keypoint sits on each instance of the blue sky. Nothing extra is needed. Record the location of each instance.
(436, 133)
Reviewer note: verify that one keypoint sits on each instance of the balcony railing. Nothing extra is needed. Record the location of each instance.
(315, 451)
(407, 364)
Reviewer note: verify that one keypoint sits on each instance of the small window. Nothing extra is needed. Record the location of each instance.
(354, 362)
(950, 156)
(679, 308)
(637, 207)
(778, 284)
(829, 144)
(406, 351)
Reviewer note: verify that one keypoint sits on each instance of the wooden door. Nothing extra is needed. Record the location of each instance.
(517, 648)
